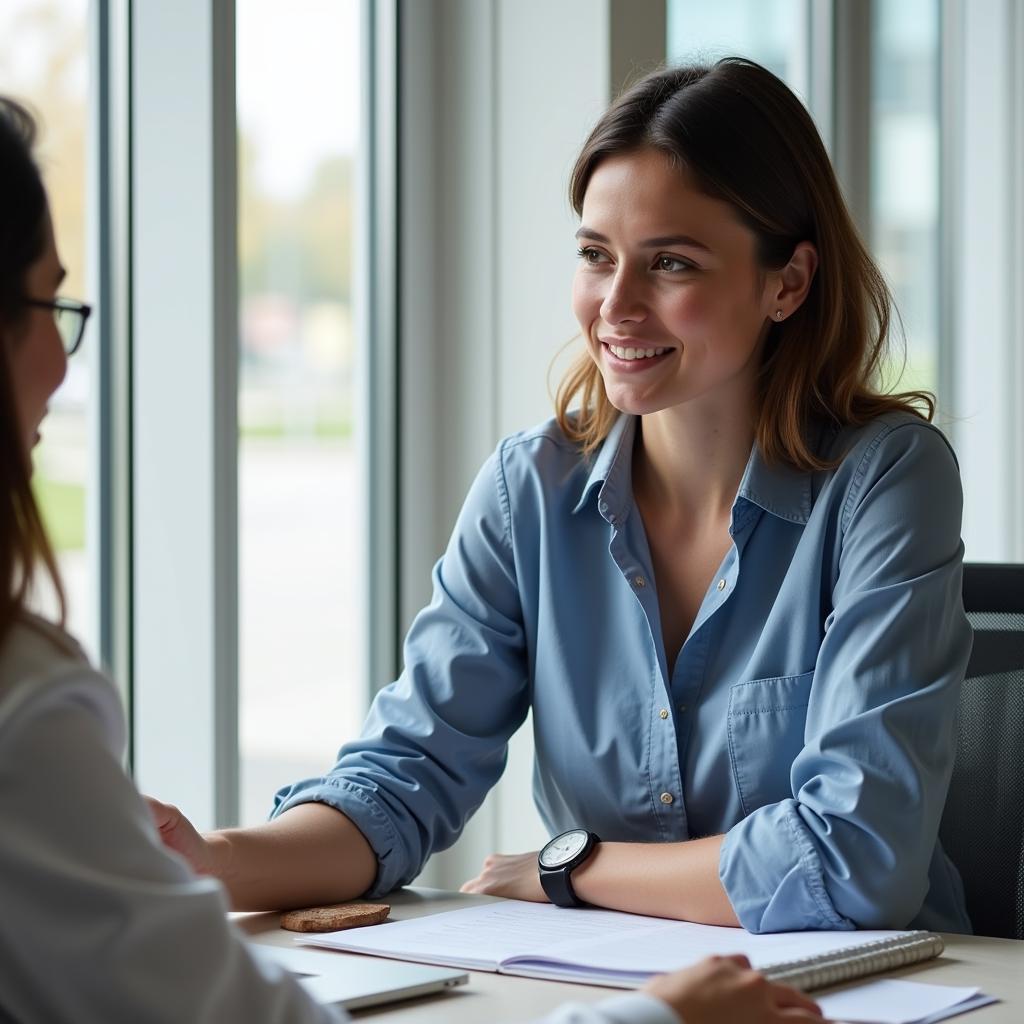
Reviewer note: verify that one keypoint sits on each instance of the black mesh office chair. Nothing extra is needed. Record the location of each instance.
(983, 824)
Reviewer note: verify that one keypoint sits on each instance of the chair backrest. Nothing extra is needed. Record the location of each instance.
(983, 823)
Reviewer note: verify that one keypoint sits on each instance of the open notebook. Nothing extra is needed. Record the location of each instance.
(604, 947)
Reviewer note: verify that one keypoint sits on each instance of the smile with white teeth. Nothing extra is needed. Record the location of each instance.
(636, 353)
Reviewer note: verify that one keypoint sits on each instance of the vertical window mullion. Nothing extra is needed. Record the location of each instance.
(851, 153)
(821, 46)
(110, 512)
(185, 356)
(983, 417)
(377, 317)
(636, 40)
(950, 80)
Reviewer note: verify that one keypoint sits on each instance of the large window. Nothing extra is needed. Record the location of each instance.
(301, 690)
(466, 104)
(44, 62)
(898, 76)
(768, 31)
(904, 204)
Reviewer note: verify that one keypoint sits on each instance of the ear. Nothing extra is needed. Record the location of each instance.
(788, 287)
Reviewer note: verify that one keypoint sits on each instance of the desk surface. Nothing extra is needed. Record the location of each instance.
(994, 965)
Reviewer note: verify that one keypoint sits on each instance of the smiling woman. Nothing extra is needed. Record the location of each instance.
(669, 319)
(725, 579)
(79, 857)
(727, 155)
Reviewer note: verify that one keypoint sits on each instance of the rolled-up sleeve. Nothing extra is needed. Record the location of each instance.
(853, 846)
(436, 740)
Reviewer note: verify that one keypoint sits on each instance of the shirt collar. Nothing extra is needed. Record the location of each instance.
(780, 490)
(612, 471)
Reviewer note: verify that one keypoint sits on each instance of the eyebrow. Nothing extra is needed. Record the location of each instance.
(61, 274)
(650, 243)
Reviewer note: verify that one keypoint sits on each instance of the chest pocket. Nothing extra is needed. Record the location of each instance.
(766, 732)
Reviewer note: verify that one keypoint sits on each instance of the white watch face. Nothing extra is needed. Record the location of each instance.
(562, 849)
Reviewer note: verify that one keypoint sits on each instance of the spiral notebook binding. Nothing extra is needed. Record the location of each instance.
(815, 972)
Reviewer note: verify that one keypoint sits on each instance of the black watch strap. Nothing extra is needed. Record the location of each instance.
(557, 885)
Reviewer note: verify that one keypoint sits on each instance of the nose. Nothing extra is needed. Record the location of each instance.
(624, 300)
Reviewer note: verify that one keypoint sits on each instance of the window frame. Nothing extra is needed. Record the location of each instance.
(109, 513)
(182, 478)
(184, 421)
(982, 266)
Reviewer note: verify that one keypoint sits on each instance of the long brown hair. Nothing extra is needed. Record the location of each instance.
(23, 212)
(745, 138)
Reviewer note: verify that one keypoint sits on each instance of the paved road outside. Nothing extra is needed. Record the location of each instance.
(300, 618)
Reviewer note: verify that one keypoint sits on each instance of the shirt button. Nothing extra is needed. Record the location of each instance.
(666, 798)
(721, 584)
(603, 506)
(640, 581)
(663, 713)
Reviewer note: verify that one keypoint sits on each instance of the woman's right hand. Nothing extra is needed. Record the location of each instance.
(726, 989)
(204, 855)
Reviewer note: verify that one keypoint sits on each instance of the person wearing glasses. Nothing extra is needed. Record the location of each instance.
(98, 921)
(69, 316)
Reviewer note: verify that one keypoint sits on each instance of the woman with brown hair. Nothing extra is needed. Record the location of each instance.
(100, 923)
(725, 578)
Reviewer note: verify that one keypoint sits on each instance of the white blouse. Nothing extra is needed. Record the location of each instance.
(98, 921)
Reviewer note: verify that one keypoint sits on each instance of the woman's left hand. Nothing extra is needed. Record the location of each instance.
(513, 876)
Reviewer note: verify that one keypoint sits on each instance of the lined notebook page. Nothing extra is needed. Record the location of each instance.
(511, 932)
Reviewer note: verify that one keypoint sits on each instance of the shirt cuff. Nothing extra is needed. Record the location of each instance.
(366, 813)
(772, 874)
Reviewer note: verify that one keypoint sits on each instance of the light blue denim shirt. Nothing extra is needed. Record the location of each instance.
(810, 715)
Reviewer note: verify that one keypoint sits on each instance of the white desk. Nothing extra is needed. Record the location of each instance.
(995, 965)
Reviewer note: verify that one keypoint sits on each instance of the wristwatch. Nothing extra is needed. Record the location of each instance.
(557, 861)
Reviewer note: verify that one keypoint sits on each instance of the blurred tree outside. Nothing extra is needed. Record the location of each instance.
(295, 269)
(295, 265)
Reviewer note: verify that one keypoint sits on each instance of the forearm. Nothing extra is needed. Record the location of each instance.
(675, 880)
(310, 855)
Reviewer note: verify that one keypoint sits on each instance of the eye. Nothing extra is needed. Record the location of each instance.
(673, 264)
(591, 255)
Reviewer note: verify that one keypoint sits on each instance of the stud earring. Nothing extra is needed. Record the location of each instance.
(778, 314)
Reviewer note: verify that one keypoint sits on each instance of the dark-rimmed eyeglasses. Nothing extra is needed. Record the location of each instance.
(70, 316)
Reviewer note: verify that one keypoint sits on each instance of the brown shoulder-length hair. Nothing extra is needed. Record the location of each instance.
(745, 138)
(23, 212)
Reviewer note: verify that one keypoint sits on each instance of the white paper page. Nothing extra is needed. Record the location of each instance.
(667, 945)
(974, 1003)
(487, 935)
(603, 939)
(891, 1001)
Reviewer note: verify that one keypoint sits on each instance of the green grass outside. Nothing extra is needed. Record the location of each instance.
(63, 509)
